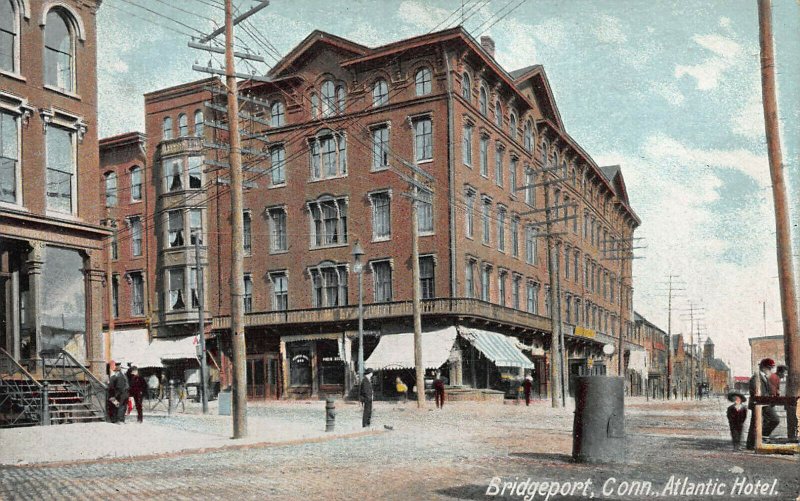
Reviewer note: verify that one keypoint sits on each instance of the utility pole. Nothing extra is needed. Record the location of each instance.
(555, 324)
(201, 321)
(419, 369)
(786, 279)
(669, 341)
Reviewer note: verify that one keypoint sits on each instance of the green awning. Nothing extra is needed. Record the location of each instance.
(499, 348)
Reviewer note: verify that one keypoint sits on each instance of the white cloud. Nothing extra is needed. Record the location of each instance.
(725, 54)
(749, 120)
(608, 29)
(118, 66)
(669, 91)
(422, 15)
(725, 22)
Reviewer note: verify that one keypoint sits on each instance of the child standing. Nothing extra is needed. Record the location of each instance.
(402, 389)
(737, 414)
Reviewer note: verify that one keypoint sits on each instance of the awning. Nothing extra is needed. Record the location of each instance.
(396, 351)
(133, 346)
(175, 349)
(638, 361)
(499, 348)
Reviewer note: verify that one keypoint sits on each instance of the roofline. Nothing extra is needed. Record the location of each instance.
(178, 89)
(124, 139)
(539, 71)
(755, 338)
(324, 36)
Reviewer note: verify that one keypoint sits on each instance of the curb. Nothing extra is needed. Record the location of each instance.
(191, 452)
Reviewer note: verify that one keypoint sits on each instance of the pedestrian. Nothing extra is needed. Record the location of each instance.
(118, 395)
(770, 419)
(527, 386)
(365, 397)
(152, 386)
(791, 412)
(438, 390)
(137, 387)
(737, 414)
(402, 389)
(775, 383)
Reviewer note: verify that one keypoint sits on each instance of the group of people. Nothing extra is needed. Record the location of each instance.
(366, 394)
(768, 382)
(122, 388)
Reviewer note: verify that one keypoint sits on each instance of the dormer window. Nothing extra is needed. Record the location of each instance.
(328, 98)
(380, 93)
(277, 114)
(423, 81)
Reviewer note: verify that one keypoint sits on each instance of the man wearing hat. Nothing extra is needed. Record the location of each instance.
(737, 414)
(769, 418)
(365, 397)
(118, 394)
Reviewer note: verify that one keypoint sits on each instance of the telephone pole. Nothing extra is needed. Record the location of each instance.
(786, 279)
(555, 323)
(201, 321)
(419, 369)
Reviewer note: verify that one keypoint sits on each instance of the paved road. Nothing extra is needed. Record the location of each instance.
(430, 454)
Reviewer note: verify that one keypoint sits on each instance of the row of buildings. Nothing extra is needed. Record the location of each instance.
(332, 135)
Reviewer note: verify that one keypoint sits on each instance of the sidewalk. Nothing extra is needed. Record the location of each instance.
(180, 433)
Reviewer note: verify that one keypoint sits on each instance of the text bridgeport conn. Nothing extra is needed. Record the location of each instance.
(544, 489)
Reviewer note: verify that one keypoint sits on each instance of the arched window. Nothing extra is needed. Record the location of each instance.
(341, 99)
(277, 114)
(166, 128)
(423, 81)
(482, 102)
(111, 189)
(199, 126)
(556, 158)
(466, 87)
(9, 29)
(328, 98)
(136, 184)
(498, 114)
(59, 57)
(528, 136)
(183, 125)
(512, 125)
(380, 93)
(544, 153)
(314, 105)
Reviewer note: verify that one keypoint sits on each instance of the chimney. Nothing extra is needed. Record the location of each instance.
(488, 45)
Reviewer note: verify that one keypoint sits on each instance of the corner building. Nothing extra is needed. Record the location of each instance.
(51, 241)
(332, 140)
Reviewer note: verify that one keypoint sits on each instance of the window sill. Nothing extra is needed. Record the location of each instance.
(278, 252)
(427, 234)
(379, 169)
(11, 74)
(62, 215)
(381, 239)
(330, 246)
(323, 179)
(13, 206)
(276, 186)
(63, 92)
(425, 161)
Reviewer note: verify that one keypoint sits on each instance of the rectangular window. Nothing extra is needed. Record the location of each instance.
(530, 245)
(425, 216)
(382, 271)
(175, 228)
(61, 177)
(195, 173)
(277, 158)
(484, 159)
(280, 291)
(193, 288)
(532, 298)
(136, 235)
(380, 148)
(529, 189)
(566, 264)
(329, 222)
(137, 294)
(426, 277)
(328, 156)
(175, 279)
(515, 286)
(575, 265)
(501, 230)
(502, 278)
(114, 241)
(195, 225)
(248, 294)
(423, 139)
(469, 215)
(466, 152)
(173, 175)
(247, 232)
(612, 286)
(115, 295)
(486, 275)
(9, 158)
(515, 236)
(329, 286)
(512, 175)
(498, 165)
(277, 230)
(136, 184)
(487, 207)
(469, 279)
(381, 215)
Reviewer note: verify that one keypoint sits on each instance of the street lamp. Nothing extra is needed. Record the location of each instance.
(358, 267)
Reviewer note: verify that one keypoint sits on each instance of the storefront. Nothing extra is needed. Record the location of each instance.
(316, 364)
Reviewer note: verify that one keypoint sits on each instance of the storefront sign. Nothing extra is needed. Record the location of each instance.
(300, 359)
(584, 332)
(331, 359)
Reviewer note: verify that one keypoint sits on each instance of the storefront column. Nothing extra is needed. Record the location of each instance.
(314, 369)
(33, 267)
(9, 282)
(94, 281)
(284, 369)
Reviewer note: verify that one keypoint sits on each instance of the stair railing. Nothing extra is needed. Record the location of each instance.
(22, 389)
(60, 364)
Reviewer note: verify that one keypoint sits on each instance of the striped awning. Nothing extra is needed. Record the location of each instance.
(499, 348)
(396, 351)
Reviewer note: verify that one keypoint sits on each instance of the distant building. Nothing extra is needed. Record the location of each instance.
(717, 374)
(766, 347)
(655, 341)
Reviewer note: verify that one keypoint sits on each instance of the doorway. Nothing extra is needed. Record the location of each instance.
(262, 376)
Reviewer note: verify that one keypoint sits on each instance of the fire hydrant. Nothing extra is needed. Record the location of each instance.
(330, 414)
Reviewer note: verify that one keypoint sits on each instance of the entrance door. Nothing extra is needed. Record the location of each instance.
(262, 376)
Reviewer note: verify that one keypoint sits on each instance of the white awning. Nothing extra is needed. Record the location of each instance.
(396, 351)
(133, 346)
(638, 361)
(499, 348)
(175, 348)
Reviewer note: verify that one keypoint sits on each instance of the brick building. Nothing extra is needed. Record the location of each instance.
(331, 138)
(716, 373)
(766, 347)
(51, 256)
(655, 341)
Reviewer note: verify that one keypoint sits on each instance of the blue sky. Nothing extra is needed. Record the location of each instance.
(670, 90)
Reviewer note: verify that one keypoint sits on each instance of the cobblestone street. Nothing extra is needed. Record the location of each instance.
(429, 454)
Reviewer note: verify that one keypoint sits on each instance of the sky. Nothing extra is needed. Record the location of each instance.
(669, 90)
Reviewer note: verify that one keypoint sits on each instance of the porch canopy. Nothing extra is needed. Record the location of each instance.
(134, 346)
(499, 348)
(396, 351)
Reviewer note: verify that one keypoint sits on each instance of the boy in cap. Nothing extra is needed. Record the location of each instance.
(770, 419)
(737, 414)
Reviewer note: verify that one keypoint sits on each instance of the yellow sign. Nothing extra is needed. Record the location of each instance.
(584, 332)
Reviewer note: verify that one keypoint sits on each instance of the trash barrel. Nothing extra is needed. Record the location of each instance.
(224, 403)
(598, 432)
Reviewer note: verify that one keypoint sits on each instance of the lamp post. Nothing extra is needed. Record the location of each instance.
(358, 267)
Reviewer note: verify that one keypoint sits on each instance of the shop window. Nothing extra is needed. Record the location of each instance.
(299, 366)
(427, 277)
(331, 365)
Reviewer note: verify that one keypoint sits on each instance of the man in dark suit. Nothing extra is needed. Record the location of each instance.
(118, 395)
(365, 397)
(769, 418)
